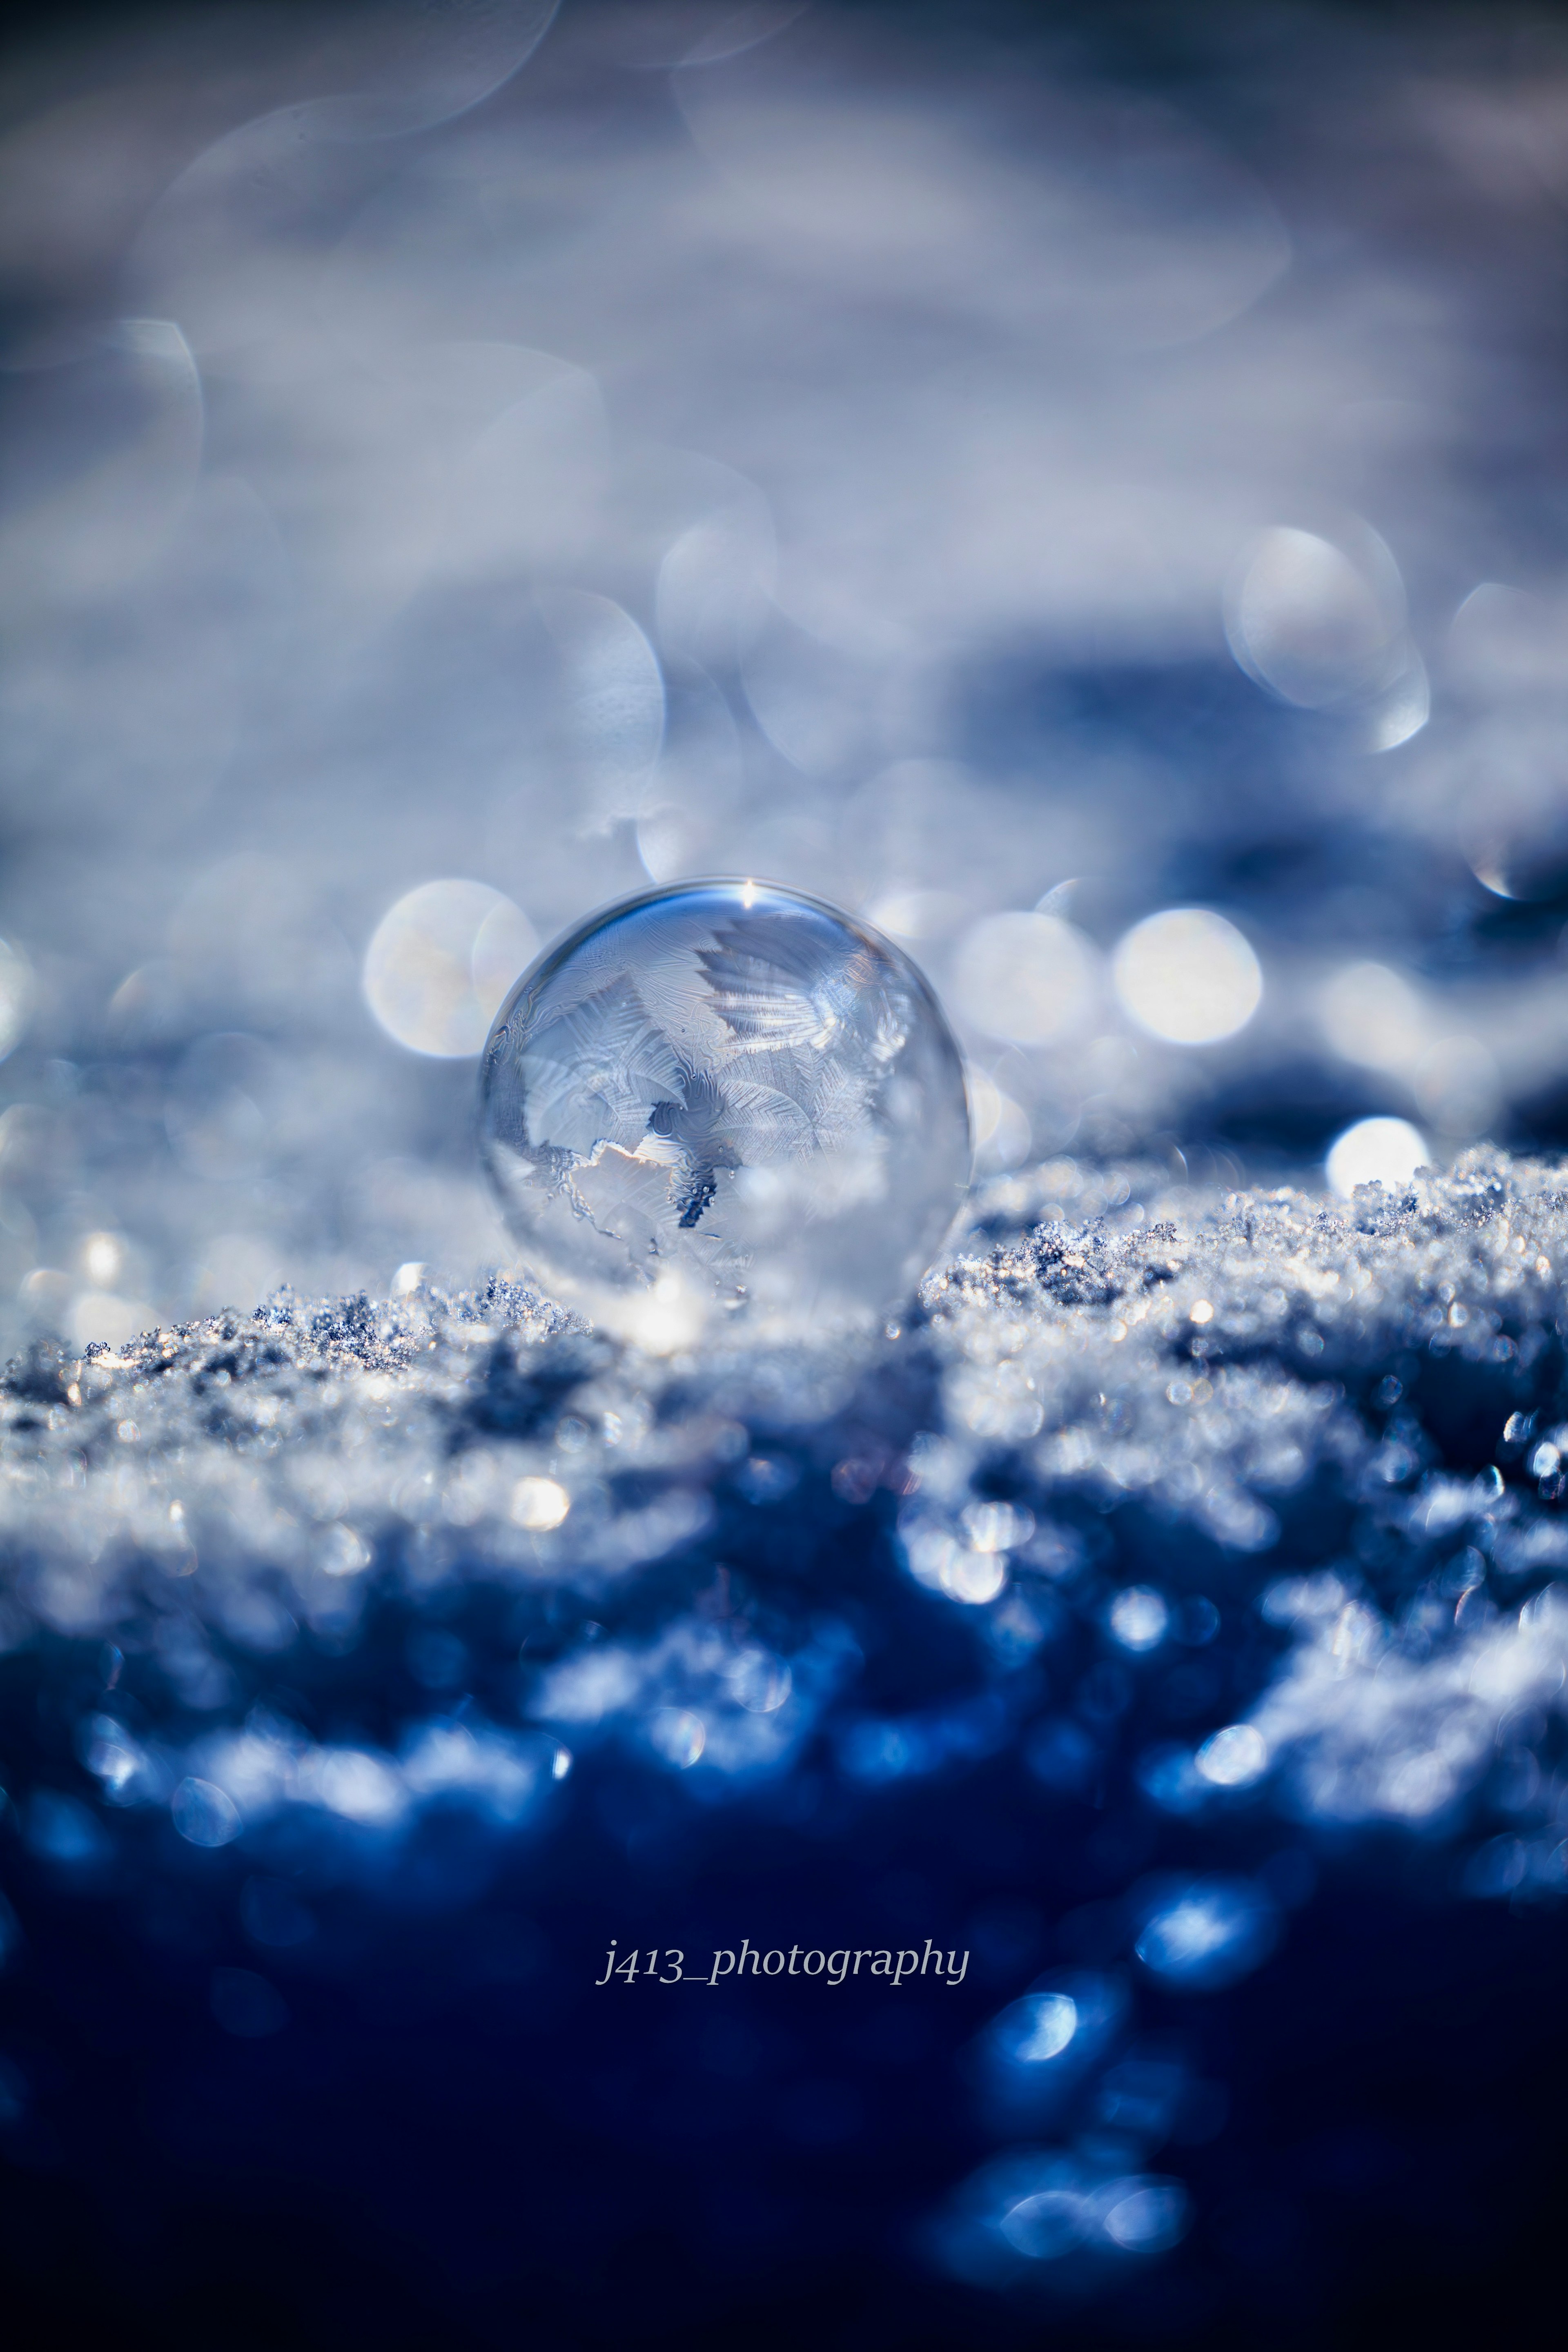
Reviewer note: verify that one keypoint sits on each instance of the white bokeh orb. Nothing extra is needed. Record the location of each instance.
(1374, 1152)
(1029, 978)
(440, 962)
(1188, 976)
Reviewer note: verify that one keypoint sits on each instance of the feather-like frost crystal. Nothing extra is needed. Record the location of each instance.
(730, 1089)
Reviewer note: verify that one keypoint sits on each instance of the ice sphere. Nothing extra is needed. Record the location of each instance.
(725, 1093)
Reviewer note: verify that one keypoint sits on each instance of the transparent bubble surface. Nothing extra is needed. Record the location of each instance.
(729, 1092)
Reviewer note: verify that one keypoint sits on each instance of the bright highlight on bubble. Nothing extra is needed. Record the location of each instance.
(1375, 1152)
(725, 1094)
(439, 964)
(1188, 976)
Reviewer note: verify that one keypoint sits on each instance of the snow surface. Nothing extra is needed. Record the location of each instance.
(1230, 1525)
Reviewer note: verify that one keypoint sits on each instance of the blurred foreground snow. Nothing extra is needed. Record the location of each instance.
(1177, 1543)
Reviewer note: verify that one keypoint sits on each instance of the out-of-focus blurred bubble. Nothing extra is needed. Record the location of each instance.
(1402, 710)
(716, 584)
(970, 1576)
(1314, 624)
(1030, 979)
(1459, 1087)
(358, 1787)
(1041, 2027)
(1525, 860)
(1034, 2051)
(224, 1106)
(1138, 1618)
(814, 702)
(612, 717)
(760, 1682)
(1512, 812)
(223, 242)
(16, 995)
(342, 1551)
(702, 817)
(1503, 641)
(1209, 1934)
(1234, 1758)
(1118, 226)
(523, 488)
(204, 1813)
(735, 31)
(696, 817)
(678, 1734)
(1000, 1126)
(1374, 1016)
(1374, 1152)
(1188, 976)
(1148, 2217)
(427, 64)
(1071, 2205)
(440, 962)
(103, 452)
(998, 1526)
(127, 1773)
(1045, 2225)
(1197, 1621)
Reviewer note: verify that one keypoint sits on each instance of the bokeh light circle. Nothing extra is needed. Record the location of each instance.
(1375, 1152)
(1310, 623)
(1188, 976)
(440, 962)
(1029, 978)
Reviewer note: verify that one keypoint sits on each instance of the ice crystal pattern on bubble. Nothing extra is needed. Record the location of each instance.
(733, 1083)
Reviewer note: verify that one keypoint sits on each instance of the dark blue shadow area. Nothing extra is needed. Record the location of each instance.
(326, 2087)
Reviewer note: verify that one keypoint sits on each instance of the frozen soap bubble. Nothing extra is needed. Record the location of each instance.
(725, 1093)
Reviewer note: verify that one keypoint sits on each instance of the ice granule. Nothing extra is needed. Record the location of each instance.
(1339, 1420)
